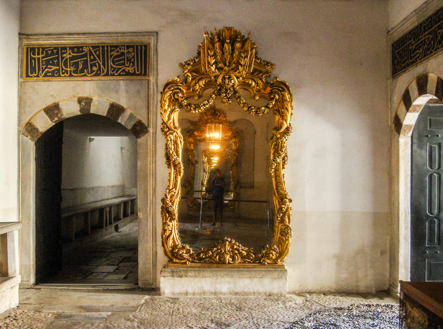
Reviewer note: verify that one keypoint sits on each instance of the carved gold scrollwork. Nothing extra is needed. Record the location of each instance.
(226, 63)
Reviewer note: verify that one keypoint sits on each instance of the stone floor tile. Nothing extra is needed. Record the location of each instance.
(105, 269)
(96, 254)
(122, 270)
(105, 248)
(30, 307)
(60, 324)
(115, 277)
(130, 259)
(82, 259)
(84, 317)
(60, 297)
(98, 261)
(25, 293)
(110, 308)
(110, 262)
(79, 268)
(96, 275)
(61, 308)
(132, 277)
(124, 253)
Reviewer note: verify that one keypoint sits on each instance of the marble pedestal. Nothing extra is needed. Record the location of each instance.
(223, 280)
(9, 265)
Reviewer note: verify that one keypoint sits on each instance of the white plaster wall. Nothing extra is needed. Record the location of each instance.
(400, 9)
(96, 167)
(9, 26)
(334, 56)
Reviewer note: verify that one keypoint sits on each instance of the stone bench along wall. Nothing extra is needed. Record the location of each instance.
(78, 196)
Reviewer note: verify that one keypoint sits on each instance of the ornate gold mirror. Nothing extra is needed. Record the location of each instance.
(219, 116)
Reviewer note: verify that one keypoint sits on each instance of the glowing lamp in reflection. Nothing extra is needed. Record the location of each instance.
(214, 131)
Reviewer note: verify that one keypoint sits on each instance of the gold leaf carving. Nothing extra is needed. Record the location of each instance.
(226, 62)
(226, 251)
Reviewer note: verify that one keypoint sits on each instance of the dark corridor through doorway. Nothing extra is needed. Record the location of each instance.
(97, 246)
(48, 198)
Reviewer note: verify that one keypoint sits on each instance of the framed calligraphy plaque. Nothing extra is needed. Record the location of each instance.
(86, 61)
(421, 42)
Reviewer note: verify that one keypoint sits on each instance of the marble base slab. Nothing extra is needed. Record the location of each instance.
(8, 293)
(223, 280)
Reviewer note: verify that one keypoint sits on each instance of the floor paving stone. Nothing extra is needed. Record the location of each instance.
(104, 269)
(100, 309)
(97, 275)
(85, 261)
(115, 276)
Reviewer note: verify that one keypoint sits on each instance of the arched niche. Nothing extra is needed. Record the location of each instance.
(45, 118)
(425, 89)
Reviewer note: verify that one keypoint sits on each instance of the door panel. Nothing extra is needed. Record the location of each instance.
(426, 195)
(48, 160)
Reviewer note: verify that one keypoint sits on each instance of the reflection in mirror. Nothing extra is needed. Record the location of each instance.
(235, 144)
(226, 77)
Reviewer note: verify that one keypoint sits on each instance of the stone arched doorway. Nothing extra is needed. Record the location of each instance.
(425, 89)
(42, 121)
(45, 118)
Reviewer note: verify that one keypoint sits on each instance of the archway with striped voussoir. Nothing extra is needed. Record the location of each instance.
(425, 84)
(45, 118)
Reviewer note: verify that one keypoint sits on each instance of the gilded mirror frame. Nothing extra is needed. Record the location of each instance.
(226, 62)
(198, 133)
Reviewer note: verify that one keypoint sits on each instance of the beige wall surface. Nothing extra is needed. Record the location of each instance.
(400, 9)
(334, 56)
(9, 25)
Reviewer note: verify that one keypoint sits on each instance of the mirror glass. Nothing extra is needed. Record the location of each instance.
(226, 128)
(226, 177)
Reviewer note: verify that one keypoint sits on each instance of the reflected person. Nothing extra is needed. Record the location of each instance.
(218, 191)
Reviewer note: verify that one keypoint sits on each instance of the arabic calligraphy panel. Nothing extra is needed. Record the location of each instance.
(86, 61)
(418, 44)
